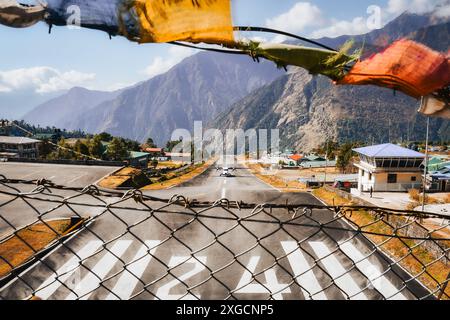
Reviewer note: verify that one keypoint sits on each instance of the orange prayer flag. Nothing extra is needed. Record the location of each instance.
(406, 66)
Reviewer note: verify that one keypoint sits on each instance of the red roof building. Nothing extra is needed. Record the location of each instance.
(296, 157)
(154, 150)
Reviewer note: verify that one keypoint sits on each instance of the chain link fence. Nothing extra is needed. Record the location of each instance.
(59, 242)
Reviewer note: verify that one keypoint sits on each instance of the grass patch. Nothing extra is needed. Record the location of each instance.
(119, 178)
(16, 251)
(169, 165)
(275, 181)
(413, 258)
(417, 199)
(174, 179)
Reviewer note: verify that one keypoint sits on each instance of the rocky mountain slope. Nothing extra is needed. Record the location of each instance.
(309, 110)
(197, 89)
(62, 111)
(205, 86)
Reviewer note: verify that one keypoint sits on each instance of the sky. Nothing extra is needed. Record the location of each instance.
(33, 59)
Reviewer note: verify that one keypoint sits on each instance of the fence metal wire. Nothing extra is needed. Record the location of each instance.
(58, 242)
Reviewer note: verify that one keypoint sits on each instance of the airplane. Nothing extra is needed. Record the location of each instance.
(226, 172)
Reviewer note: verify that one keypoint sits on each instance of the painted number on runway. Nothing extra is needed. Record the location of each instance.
(265, 283)
(163, 293)
(272, 286)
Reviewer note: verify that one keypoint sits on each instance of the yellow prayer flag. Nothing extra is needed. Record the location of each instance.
(195, 21)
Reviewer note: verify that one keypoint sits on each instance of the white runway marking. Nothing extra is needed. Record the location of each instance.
(306, 279)
(163, 292)
(77, 178)
(129, 279)
(372, 272)
(224, 193)
(92, 280)
(31, 174)
(335, 269)
(247, 286)
(51, 284)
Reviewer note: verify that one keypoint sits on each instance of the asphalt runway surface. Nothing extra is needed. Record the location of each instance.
(167, 251)
(66, 175)
(19, 214)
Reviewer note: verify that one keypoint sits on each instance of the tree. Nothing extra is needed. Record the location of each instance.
(328, 149)
(154, 163)
(172, 144)
(150, 143)
(117, 150)
(63, 151)
(96, 147)
(82, 150)
(345, 155)
(104, 136)
(132, 145)
(45, 149)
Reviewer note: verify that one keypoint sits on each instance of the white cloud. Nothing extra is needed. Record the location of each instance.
(174, 56)
(338, 28)
(415, 6)
(42, 79)
(443, 12)
(299, 17)
(304, 15)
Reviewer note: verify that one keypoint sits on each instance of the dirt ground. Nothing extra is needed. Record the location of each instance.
(319, 174)
(19, 248)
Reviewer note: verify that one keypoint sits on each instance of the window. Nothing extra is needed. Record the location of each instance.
(362, 173)
(413, 179)
(370, 177)
(392, 178)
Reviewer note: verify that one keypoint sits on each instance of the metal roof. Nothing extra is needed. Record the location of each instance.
(347, 177)
(17, 140)
(318, 164)
(136, 154)
(389, 150)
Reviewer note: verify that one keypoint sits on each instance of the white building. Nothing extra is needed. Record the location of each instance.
(389, 167)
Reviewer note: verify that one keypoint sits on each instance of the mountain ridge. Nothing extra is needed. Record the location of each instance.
(208, 86)
(311, 110)
(197, 89)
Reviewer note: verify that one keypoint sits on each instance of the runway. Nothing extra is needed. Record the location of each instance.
(168, 251)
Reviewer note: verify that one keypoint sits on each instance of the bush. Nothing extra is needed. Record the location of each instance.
(414, 194)
(417, 197)
(412, 205)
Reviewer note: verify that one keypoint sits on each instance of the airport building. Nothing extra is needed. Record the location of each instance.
(389, 167)
(19, 147)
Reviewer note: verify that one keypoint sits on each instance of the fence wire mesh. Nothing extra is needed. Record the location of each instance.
(69, 243)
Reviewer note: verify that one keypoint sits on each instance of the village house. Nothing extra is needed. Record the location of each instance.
(19, 147)
(389, 167)
(439, 181)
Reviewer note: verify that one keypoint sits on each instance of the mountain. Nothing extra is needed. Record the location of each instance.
(309, 110)
(203, 87)
(62, 110)
(197, 89)
(13, 105)
(406, 25)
